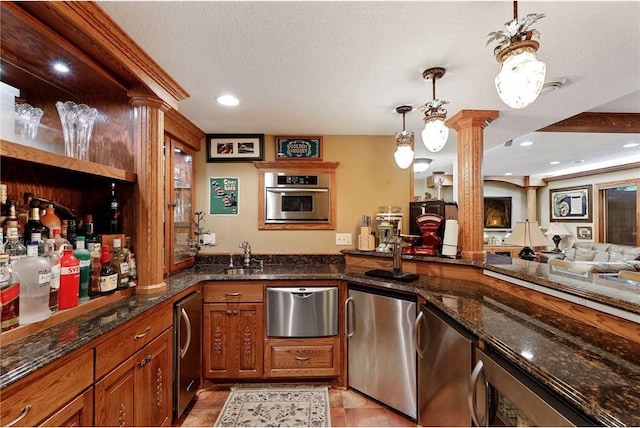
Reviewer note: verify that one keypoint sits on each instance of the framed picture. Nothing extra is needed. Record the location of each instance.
(223, 195)
(497, 212)
(305, 148)
(235, 147)
(583, 232)
(570, 204)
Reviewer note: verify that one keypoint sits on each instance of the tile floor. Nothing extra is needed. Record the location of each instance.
(348, 409)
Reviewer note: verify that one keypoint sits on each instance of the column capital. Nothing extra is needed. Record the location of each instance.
(472, 118)
(140, 97)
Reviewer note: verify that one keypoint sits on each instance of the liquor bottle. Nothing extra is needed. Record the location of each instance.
(14, 248)
(51, 220)
(133, 269)
(60, 242)
(72, 232)
(54, 286)
(23, 211)
(120, 264)
(34, 230)
(114, 213)
(94, 274)
(69, 280)
(108, 275)
(90, 237)
(35, 279)
(84, 256)
(10, 223)
(9, 295)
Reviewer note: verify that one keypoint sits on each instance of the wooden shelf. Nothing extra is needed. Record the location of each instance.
(41, 157)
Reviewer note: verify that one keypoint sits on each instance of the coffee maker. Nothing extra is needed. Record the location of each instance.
(389, 227)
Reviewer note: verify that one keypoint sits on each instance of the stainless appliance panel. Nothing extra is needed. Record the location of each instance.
(187, 355)
(444, 371)
(297, 198)
(382, 358)
(302, 311)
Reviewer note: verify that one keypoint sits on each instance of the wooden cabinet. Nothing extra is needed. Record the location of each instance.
(233, 330)
(138, 391)
(179, 246)
(313, 357)
(54, 395)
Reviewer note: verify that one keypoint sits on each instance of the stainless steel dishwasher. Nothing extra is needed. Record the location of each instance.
(302, 311)
(187, 350)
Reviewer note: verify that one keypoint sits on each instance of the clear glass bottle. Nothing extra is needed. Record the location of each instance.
(35, 279)
(51, 220)
(120, 264)
(14, 248)
(94, 275)
(108, 275)
(60, 242)
(84, 256)
(69, 280)
(54, 286)
(9, 295)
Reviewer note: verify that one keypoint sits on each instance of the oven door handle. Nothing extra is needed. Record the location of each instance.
(184, 350)
(296, 189)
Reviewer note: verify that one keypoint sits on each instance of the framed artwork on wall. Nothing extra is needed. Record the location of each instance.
(570, 204)
(497, 212)
(584, 232)
(304, 148)
(235, 147)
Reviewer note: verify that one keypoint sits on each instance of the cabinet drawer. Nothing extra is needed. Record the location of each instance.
(303, 357)
(130, 338)
(223, 292)
(44, 392)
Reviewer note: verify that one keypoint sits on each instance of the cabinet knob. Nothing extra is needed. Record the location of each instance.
(145, 361)
(229, 312)
(235, 312)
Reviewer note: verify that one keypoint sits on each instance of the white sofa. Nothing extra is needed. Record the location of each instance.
(606, 258)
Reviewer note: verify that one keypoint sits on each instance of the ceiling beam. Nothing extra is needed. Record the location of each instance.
(619, 123)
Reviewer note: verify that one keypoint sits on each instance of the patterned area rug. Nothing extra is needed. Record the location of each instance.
(276, 406)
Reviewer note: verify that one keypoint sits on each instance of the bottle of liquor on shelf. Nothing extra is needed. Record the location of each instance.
(60, 242)
(94, 273)
(84, 256)
(35, 279)
(10, 223)
(51, 220)
(54, 285)
(9, 295)
(114, 213)
(90, 237)
(120, 264)
(72, 232)
(108, 275)
(133, 267)
(34, 230)
(14, 248)
(23, 211)
(69, 280)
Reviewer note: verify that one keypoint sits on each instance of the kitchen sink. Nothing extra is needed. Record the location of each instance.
(241, 270)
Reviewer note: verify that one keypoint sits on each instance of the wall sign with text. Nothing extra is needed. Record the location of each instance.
(223, 196)
(307, 148)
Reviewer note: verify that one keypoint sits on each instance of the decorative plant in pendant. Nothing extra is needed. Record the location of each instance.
(521, 75)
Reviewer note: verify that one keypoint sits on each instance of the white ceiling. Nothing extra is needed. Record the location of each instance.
(341, 68)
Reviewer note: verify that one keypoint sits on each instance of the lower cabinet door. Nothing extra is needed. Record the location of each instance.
(78, 413)
(138, 391)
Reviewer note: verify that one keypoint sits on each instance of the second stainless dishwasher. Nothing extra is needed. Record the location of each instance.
(302, 311)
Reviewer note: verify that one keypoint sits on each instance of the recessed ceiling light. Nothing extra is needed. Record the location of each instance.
(554, 162)
(578, 161)
(629, 145)
(61, 67)
(228, 100)
(508, 173)
(526, 143)
(552, 86)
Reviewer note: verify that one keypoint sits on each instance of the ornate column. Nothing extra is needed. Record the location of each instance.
(149, 194)
(469, 125)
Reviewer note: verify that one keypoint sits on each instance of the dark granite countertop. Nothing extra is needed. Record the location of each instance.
(596, 372)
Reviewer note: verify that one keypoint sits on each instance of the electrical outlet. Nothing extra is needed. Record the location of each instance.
(343, 239)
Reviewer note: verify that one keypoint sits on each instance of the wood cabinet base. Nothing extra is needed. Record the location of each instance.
(313, 357)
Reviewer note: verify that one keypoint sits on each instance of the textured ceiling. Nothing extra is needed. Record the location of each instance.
(341, 67)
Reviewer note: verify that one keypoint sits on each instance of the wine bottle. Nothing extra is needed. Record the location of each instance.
(108, 275)
(114, 213)
(90, 237)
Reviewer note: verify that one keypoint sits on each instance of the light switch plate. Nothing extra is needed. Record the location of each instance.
(343, 239)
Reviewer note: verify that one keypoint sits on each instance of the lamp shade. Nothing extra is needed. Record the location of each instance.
(527, 234)
(557, 229)
(403, 156)
(421, 165)
(521, 78)
(435, 134)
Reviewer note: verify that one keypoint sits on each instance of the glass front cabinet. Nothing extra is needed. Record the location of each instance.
(179, 243)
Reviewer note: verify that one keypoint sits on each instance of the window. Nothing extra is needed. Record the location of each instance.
(618, 213)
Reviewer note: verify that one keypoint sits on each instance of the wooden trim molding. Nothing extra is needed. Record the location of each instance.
(620, 123)
(181, 128)
(633, 166)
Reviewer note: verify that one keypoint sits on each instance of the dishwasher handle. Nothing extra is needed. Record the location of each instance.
(417, 327)
(348, 316)
(478, 371)
(184, 316)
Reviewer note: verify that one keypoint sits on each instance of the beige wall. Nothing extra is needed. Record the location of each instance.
(367, 178)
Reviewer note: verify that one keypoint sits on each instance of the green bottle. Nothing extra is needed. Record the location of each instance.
(84, 256)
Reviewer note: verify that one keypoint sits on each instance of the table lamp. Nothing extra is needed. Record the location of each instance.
(527, 234)
(557, 231)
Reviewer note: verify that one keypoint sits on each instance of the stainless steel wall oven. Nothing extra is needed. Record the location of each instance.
(297, 198)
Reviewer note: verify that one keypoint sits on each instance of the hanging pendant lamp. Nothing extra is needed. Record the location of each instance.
(435, 132)
(521, 74)
(404, 142)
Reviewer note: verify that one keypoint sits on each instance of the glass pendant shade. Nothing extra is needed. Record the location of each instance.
(521, 78)
(435, 134)
(404, 151)
(421, 165)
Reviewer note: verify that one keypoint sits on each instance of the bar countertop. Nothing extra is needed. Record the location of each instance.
(596, 372)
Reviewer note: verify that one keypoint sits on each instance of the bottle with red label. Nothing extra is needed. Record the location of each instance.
(69, 280)
(9, 295)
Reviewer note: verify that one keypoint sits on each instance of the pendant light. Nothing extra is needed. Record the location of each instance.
(435, 132)
(521, 74)
(404, 142)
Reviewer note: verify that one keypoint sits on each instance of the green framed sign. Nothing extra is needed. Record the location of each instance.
(223, 196)
(306, 148)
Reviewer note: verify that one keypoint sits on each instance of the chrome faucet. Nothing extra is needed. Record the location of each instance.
(397, 254)
(247, 252)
